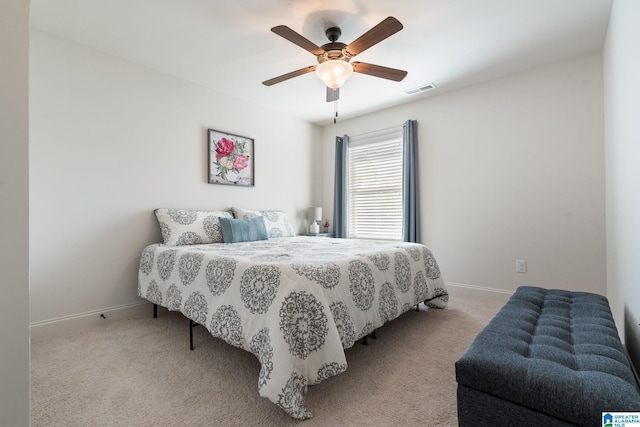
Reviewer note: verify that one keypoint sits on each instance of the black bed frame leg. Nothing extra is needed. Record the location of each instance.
(155, 311)
(191, 325)
(372, 335)
(417, 307)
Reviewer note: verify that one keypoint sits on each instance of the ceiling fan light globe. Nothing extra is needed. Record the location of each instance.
(334, 73)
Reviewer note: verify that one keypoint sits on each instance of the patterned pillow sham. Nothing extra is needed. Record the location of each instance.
(277, 222)
(185, 227)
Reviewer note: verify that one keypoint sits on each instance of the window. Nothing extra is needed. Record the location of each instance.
(374, 181)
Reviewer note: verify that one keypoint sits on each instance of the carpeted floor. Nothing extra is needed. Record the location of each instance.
(140, 372)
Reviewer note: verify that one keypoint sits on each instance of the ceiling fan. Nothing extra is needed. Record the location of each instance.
(334, 66)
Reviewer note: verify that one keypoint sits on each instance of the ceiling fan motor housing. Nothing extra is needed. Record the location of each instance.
(334, 49)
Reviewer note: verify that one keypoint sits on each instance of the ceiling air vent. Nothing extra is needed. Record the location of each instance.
(424, 88)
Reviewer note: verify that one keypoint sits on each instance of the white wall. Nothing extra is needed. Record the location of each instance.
(622, 136)
(14, 213)
(110, 142)
(509, 169)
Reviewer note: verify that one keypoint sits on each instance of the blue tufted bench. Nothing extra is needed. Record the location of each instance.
(549, 357)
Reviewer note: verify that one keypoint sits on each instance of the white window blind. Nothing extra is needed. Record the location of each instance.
(375, 185)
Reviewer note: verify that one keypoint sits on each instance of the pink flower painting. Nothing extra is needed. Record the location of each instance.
(230, 159)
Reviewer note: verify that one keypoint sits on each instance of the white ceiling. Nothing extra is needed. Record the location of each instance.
(228, 45)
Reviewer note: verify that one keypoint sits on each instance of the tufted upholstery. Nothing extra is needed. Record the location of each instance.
(554, 352)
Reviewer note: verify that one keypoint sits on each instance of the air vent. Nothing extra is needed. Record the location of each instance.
(424, 88)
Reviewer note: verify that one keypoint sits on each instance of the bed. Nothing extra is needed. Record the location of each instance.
(295, 302)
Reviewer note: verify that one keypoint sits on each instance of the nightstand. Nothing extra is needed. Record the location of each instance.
(318, 234)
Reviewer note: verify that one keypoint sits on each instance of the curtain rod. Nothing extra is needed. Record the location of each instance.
(378, 131)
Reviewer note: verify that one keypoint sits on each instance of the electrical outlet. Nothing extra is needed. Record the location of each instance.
(521, 266)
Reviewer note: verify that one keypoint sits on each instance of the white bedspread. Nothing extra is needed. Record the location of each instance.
(295, 303)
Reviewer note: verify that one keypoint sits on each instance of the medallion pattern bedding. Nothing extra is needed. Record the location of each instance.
(296, 303)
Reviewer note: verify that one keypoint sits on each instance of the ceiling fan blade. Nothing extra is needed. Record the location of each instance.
(295, 38)
(384, 29)
(379, 71)
(288, 76)
(333, 94)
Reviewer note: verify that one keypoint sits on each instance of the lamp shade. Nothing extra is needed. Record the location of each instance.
(334, 72)
(315, 214)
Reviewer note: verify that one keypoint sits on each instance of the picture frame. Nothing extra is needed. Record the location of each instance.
(231, 159)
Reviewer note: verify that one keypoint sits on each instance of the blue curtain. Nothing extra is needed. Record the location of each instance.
(340, 189)
(410, 205)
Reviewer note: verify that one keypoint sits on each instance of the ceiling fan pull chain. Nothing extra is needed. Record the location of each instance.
(335, 110)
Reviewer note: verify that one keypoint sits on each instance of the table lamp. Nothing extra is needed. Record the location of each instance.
(315, 215)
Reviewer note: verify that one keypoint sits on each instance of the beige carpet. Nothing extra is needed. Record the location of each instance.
(140, 372)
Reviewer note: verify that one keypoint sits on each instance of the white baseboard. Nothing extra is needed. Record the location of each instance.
(66, 324)
(479, 291)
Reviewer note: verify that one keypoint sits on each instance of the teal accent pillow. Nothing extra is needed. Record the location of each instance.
(243, 230)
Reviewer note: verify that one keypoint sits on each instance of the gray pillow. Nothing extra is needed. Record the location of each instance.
(277, 222)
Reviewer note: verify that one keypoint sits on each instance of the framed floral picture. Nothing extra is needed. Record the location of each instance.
(230, 159)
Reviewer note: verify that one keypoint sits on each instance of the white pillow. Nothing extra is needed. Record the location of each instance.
(276, 222)
(185, 227)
